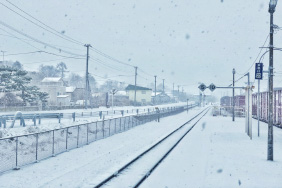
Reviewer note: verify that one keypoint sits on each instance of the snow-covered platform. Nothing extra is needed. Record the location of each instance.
(216, 153)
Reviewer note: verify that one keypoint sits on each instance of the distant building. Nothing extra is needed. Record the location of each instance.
(143, 94)
(63, 100)
(54, 86)
(160, 98)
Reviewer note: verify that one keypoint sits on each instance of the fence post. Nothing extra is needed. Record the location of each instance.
(122, 112)
(87, 142)
(59, 118)
(17, 142)
(67, 132)
(115, 125)
(73, 116)
(82, 114)
(119, 124)
(39, 119)
(34, 120)
(103, 124)
(100, 114)
(4, 121)
(53, 147)
(77, 136)
(36, 150)
(110, 127)
(96, 131)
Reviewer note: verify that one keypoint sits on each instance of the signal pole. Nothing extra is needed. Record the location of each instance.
(135, 86)
(86, 76)
(178, 93)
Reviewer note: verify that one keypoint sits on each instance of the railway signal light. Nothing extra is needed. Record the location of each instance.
(202, 87)
(212, 87)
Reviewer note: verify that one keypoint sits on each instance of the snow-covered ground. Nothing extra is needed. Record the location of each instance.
(85, 166)
(51, 124)
(216, 153)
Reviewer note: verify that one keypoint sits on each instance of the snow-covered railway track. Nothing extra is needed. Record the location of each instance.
(137, 170)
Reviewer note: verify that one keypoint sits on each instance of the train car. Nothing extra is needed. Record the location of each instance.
(226, 102)
(277, 112)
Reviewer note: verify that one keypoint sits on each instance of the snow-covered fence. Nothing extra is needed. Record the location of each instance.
(38, 117)
(30, 148)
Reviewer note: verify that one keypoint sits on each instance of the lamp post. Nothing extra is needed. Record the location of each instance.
(271, 10)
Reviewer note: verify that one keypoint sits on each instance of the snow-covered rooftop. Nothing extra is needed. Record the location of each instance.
(51, 79)
(62, 96)
(70, 89)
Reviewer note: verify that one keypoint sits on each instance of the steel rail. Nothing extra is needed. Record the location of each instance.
(165, 155)
(146, 151)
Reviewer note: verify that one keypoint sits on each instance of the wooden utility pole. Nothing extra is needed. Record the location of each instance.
(135, 85)
(86, 76)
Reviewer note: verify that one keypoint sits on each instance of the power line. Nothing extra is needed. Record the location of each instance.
(53, 30)
(23, 53)
(36, 40)
(257, 56)
(110, 57)
(52, 60)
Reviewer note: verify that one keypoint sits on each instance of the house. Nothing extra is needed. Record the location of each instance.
(143, 94)
(121, 99)
(63, 100)
(70, 93)
(160, 98)
(54, 86)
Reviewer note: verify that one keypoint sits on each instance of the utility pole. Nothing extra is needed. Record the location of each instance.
(135, 85)
(233, 98)
(173, 90)
(155, 88)
(3, 53)
(271, 10)
(163, 85)
(178, 93)
(86, 76)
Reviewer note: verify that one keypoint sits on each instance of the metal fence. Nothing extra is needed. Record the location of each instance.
(18, 151)
(38, 117)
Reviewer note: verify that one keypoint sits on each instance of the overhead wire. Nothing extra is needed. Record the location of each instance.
(36, 40)
(55, 32)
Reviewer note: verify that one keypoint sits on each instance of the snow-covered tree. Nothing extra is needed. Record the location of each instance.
(15, 80)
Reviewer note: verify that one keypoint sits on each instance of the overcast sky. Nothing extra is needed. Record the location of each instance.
(183, 42)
